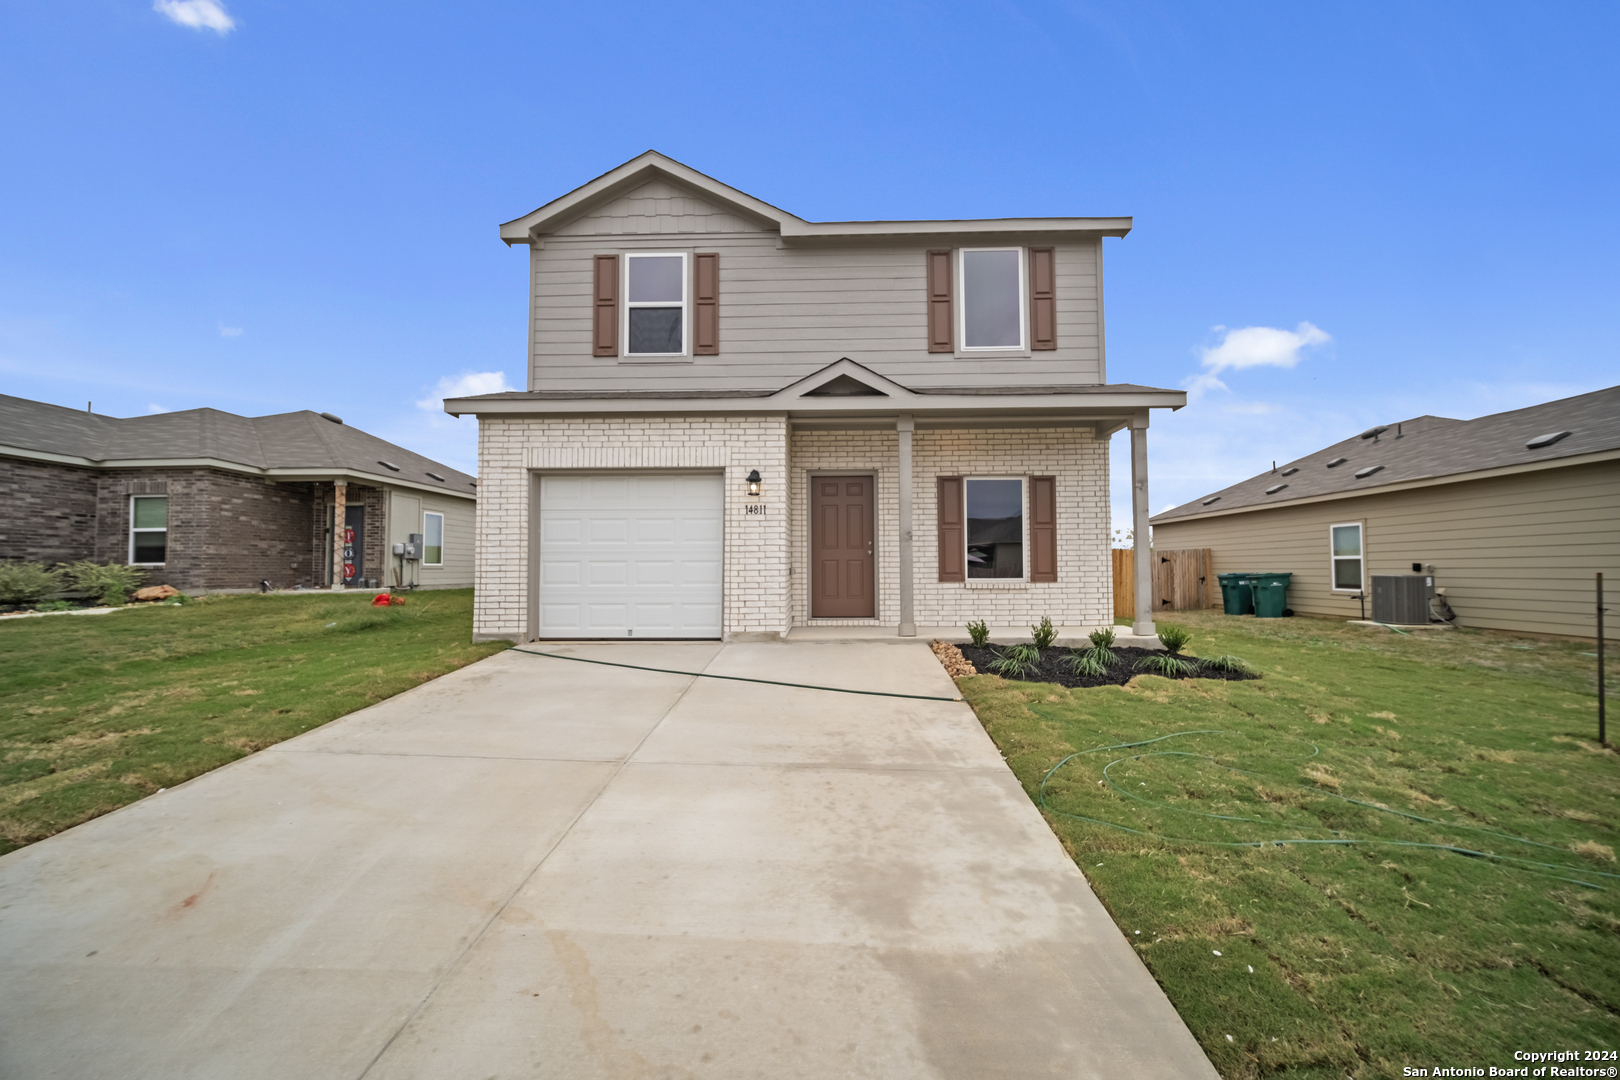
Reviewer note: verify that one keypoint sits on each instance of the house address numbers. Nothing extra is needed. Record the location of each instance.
(754, 509)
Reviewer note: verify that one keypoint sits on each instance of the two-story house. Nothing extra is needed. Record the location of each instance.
(739, 422)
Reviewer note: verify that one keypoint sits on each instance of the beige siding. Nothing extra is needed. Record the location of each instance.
(405, 510)
(1513, 553)
(786, 312)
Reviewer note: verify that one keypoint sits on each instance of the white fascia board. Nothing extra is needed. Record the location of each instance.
(278, 475)
(633, 173)
(849, 230)
(1402, 485)
(920, 404)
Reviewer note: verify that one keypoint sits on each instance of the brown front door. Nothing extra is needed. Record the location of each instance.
(842, 568)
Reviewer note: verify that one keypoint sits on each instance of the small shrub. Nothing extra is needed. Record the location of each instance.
(55, 605)
(1104, 638)
(1171, 667)
(1044, 633)
(979, 632)
(1016, 661)
(1175, 638)
(1086, 664)
(26, 582)
(110, 584)
(1225, 663)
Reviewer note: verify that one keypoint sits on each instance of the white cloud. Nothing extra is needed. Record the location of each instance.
(1251, 408)
(229, 331)
(466, 384)
(155, 409)
(1253, 346)
(197, 14)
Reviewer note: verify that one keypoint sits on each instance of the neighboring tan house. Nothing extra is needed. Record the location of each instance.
(206, 500)
(1511, 514)
(738, 422)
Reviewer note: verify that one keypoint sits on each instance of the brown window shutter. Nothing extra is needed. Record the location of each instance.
(941, 319)
(1042, 299)
(952, 530)
(706, 305)
(605, 316)
(1043, 528)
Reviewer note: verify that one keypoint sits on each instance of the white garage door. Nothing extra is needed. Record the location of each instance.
(631, 555)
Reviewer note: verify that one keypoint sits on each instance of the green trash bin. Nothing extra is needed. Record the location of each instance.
(1270, 595)
(1236, 596)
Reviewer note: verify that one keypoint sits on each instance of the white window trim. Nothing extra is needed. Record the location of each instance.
(1023, 305)
(685, 304)
(1023, 515)
(133, 530)
(425, 515)
(1333, 560)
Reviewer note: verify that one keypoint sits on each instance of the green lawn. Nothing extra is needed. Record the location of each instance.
(1335, 958)
(97, 711)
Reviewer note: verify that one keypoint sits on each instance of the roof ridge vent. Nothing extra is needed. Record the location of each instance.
(389, 465)
(436, 476)
(1368, 471)
(1290, 471)
(1273, 489)
(1336, 462)
(1546, 440)
(329, 416)
(1212, 498)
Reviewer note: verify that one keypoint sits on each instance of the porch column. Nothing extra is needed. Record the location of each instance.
(1143, 554)
(904, 425)
(340, 498)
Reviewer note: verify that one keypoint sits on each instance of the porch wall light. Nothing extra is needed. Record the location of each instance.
(753, 482)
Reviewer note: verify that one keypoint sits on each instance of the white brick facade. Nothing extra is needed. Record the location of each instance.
(765, 577)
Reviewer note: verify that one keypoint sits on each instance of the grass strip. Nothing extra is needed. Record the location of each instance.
(98, 712)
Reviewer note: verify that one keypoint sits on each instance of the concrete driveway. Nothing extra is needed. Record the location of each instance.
(542, 868)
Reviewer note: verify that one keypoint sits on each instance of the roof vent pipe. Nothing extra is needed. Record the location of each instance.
(334, 419)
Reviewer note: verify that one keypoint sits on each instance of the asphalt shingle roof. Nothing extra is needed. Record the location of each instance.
(1426, 447)
(295, 440)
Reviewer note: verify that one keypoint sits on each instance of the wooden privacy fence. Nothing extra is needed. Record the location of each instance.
(1181, 580)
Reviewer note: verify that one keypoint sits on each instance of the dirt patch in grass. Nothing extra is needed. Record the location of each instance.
(1276, 821)
(98, 712)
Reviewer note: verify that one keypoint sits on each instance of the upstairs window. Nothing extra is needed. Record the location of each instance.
(655, 304)
(1345, 541)
(993, 291)
(995, 528)
(148, 530)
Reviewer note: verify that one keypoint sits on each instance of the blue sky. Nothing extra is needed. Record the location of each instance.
(263, 205)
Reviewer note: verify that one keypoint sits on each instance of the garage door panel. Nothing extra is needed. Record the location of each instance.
(634, 554)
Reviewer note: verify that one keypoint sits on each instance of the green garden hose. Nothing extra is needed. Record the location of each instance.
(738, 678)
(1337, 840)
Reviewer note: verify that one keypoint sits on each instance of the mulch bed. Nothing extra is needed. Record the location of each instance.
(1122, 670)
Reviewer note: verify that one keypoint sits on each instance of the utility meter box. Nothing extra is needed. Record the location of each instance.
(413, 546)
(1402, 598)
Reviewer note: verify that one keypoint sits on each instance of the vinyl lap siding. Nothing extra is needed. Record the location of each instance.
(787, 312)
(1513, 553)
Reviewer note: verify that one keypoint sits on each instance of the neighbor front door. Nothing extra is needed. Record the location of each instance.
(842, 569)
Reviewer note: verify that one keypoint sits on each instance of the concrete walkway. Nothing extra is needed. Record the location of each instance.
(542, 868)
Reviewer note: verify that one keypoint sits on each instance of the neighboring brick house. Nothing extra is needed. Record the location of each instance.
(206, 500)
(738, 422)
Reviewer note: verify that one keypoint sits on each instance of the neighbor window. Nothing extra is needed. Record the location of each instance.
(995, 528)
(1345, 540)
(432, 539)
(993, 298)
(148, 530)
(655, 305)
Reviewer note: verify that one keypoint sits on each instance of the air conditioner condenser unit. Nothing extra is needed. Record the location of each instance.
(1402, 598)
